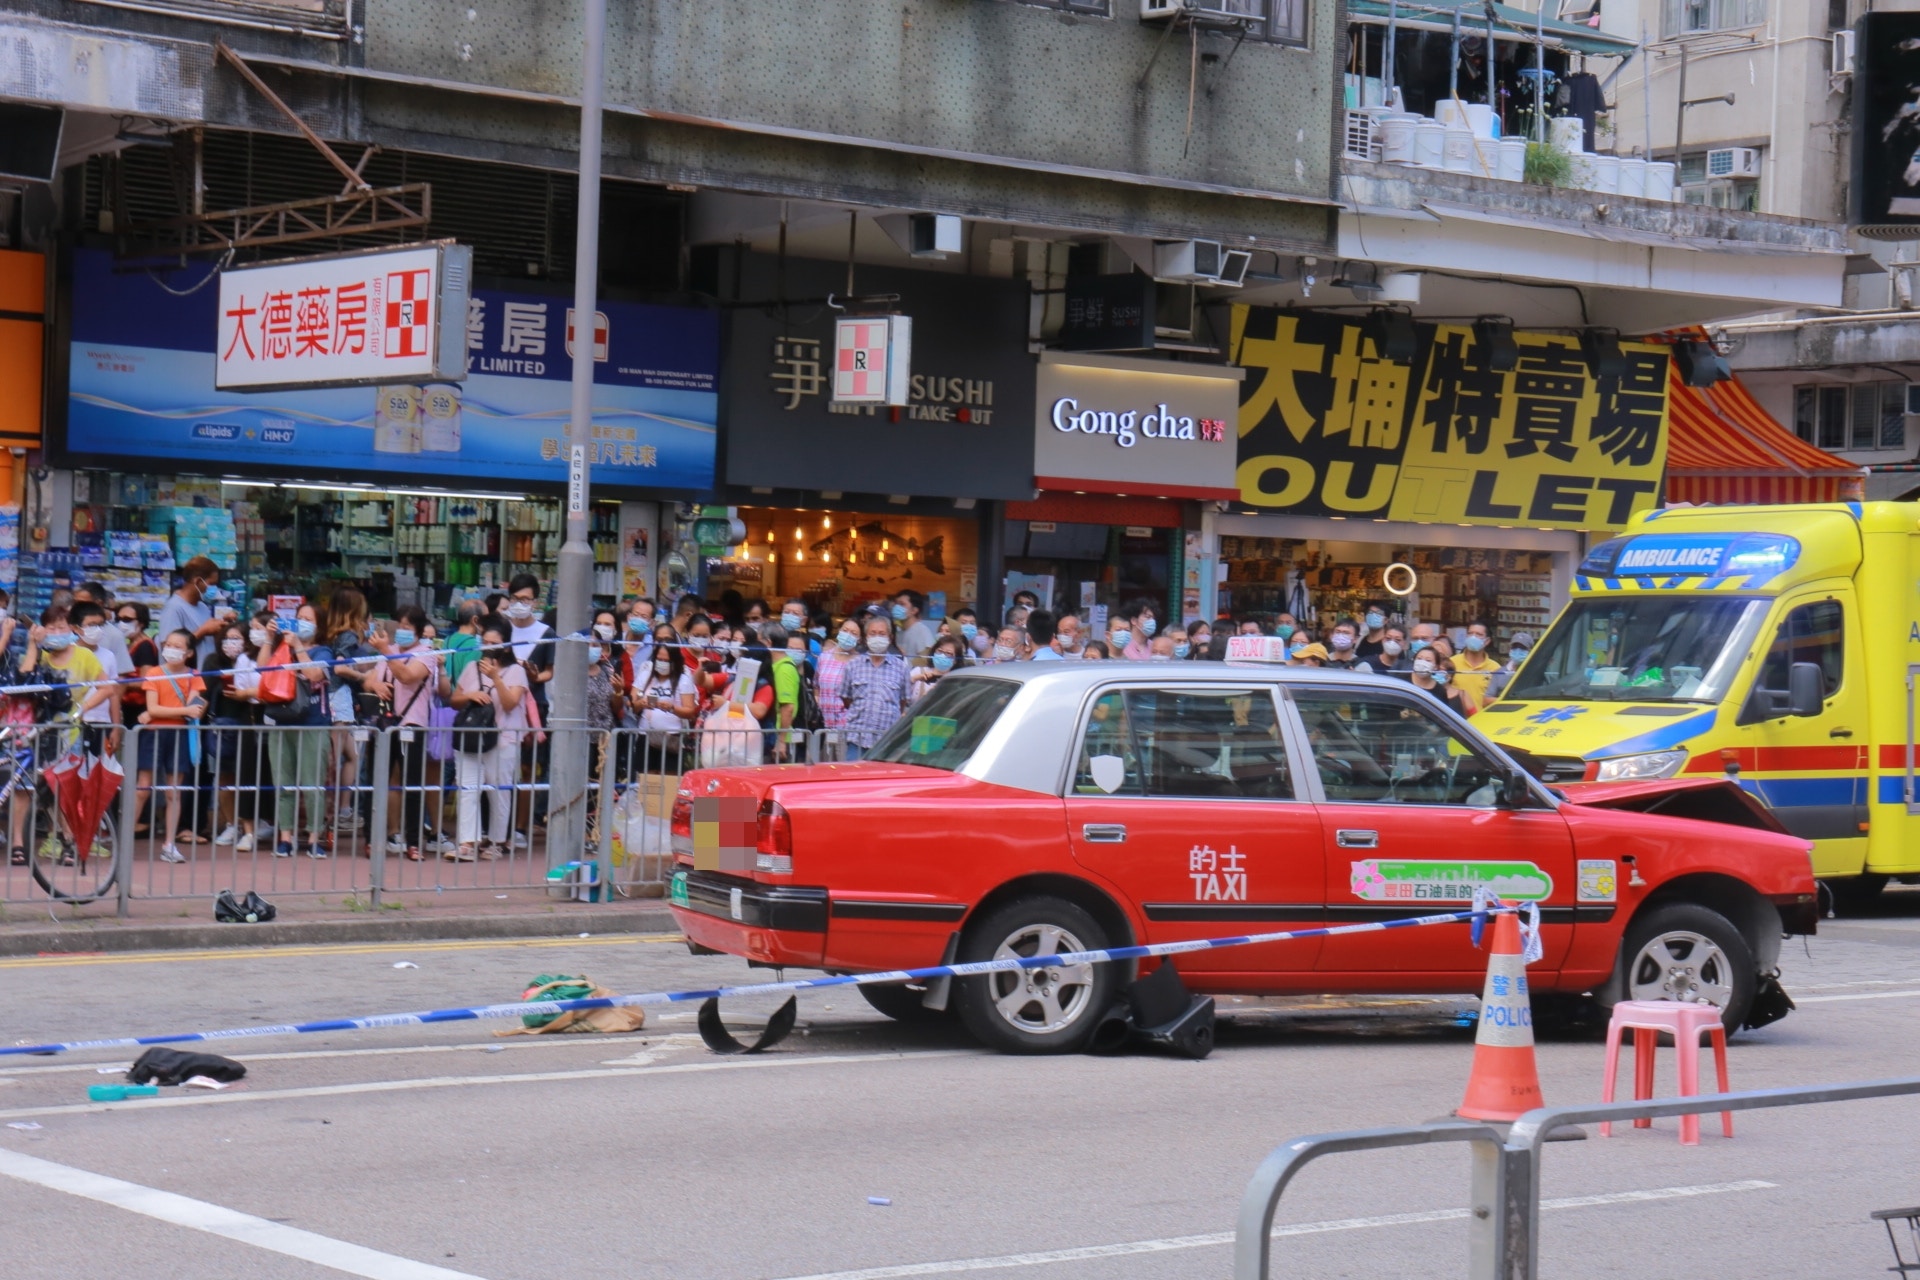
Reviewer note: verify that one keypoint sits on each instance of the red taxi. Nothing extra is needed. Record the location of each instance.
(1036, 808)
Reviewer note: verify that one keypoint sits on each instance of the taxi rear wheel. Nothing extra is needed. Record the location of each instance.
(1685, 951)
(1042, 1010)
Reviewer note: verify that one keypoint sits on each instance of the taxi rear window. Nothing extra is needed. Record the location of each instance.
(942, 730)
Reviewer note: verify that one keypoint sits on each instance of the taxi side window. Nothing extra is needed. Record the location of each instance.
(1184, 743)
(1374, 749)
(1813, 633)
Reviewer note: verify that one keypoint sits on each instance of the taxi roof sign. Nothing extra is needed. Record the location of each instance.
(1270, 649)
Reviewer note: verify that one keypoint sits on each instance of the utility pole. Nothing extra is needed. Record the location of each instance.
(567, 763)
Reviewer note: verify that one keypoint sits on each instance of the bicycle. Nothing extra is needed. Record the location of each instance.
(57, 865)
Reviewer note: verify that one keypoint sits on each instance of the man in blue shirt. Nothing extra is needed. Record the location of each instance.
(188, 610)
(1043, 634)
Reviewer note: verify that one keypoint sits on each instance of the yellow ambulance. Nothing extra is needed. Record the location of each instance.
(1775, 645)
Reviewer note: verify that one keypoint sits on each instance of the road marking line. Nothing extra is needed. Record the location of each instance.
(452, 1082)
(324, 949)
(514, 1045)
(1172, 1243)
(198, 1215)
(1858, 995)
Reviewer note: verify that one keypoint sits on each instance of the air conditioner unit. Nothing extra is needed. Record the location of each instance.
(1188, 260)
(1733, 162)
(1843, 53)
(1233, 267)
(1222, 10)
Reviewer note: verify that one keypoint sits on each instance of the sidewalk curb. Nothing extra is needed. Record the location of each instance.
(112, 936)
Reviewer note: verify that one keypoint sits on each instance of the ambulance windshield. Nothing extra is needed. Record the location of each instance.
(1649, 647)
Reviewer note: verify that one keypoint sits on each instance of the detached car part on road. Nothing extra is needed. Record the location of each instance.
(1042, 808)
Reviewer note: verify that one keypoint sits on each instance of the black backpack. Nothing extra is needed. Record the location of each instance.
(807, 715)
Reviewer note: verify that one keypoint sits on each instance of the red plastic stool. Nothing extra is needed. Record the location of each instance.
(1686, 1022)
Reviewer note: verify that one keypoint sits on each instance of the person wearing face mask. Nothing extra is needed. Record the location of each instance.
(830, 680)
(189, 609)
(1422, 637)
(1343, 639)
(606, 685)
(1009, 646)
(354, 694)
(1517, 650)
(667, 703)
(877, 688)
(636, 637)
(169, 751)
(99, 717)
(1474, 669)
(496, 680)
(1200, 641)
(1432, 673)
(908, 611)
(943, 658)
(298, 752)
(1285, 626)
(967, 625)
(409, 670)
(1306, 653)
(111, 640)
(463, 645)
(792, 683)
(234, 747)
(1160, 649)
(130, 620)
(1069, 635)
(532, 638)
(794, 620)
(1182, 646)
(1146, 623)
(1373, 631)
(1392, 658)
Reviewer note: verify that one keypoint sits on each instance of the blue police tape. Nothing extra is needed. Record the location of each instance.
(971, 969)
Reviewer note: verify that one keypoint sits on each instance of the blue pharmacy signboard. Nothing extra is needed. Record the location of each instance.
(141, 388)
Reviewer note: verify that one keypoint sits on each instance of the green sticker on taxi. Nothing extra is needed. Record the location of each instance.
(1392, 880)
(677, 889)
(930, 734)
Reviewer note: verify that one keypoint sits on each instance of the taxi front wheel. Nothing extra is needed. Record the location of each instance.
(1051, 1009)
(1685, 951)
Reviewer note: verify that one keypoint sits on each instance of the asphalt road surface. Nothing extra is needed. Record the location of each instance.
(422, 1152)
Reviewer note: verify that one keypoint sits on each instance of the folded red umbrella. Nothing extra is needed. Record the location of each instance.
(100, 781)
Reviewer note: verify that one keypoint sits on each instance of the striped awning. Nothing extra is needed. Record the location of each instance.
(1723, 448)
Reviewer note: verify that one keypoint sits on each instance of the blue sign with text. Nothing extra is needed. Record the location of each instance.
(141, 376)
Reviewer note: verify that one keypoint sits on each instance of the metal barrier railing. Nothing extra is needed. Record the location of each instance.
(1504, 1204)
(351, 810)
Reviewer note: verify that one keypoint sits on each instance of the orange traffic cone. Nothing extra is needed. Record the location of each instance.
(1505, 1081)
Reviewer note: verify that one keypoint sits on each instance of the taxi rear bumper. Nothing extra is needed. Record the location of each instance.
(775, 924)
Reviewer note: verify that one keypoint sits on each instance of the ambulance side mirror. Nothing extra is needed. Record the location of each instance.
(1806, 689)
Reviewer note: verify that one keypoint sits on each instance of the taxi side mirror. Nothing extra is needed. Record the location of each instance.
(1515, 791)
(1806, 689)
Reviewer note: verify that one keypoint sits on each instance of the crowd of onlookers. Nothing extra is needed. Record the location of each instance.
(728, 681)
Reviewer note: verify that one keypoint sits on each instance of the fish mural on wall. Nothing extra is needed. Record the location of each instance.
(872, 552)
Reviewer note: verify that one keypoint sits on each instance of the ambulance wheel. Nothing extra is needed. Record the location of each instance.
(902, 1003)
(1684, 951)
(1044, 1010)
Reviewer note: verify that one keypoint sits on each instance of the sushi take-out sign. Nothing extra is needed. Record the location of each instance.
(344, 320)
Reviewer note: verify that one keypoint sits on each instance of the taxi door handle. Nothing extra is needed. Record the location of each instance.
(1104, 833)
(1839, 733)
(1350, 839)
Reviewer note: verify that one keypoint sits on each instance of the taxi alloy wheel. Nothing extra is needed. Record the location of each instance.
(1685, 951)
(1043, 1010)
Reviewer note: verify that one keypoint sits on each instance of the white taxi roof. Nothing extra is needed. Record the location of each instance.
(1031, 745)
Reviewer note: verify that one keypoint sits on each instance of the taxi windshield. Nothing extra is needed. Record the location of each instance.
(942, 730)
(1642, 648)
